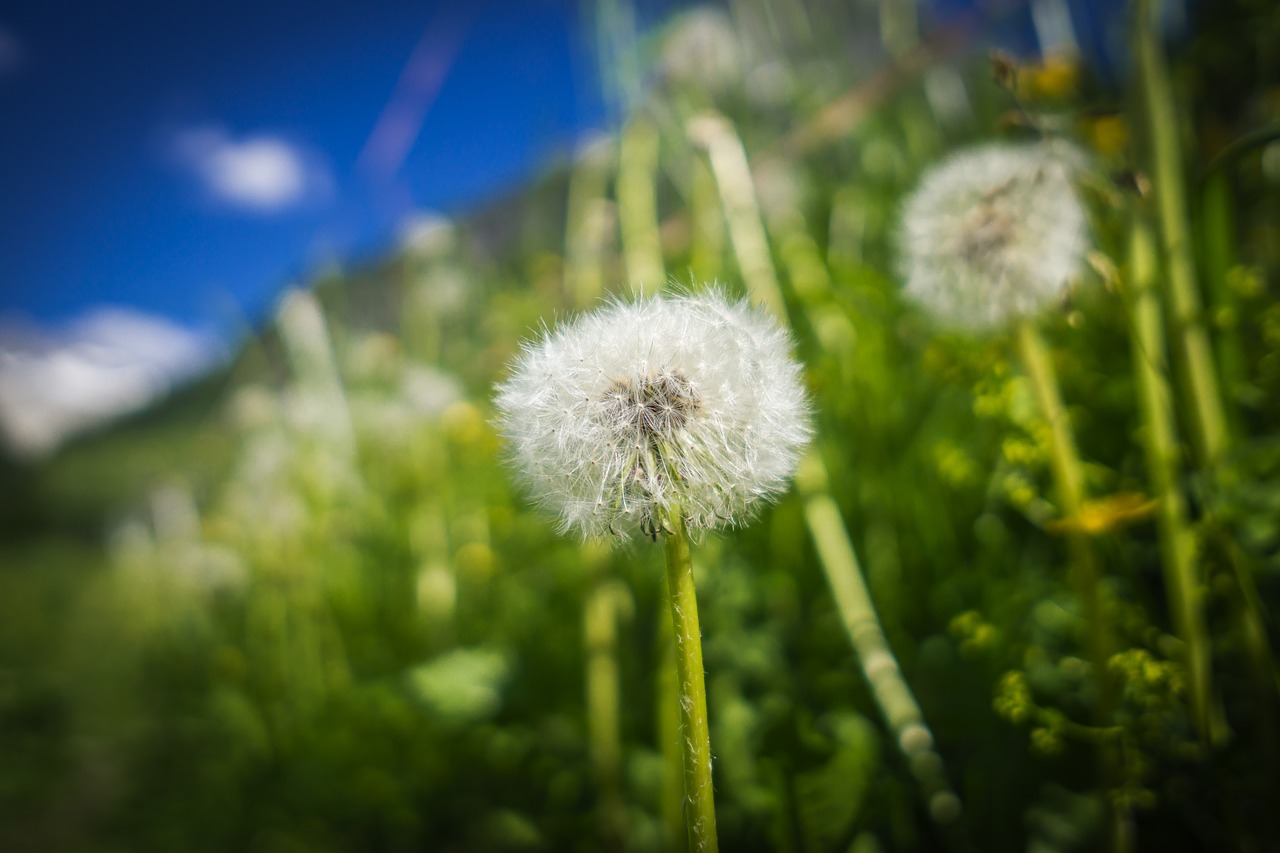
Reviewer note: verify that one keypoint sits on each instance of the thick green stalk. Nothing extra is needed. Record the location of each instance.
(899, 26)
(604, 693)
(700, 810)
(309, 346)
(1186, 314)
(638, 206)
(1218, 235)
(1068, 475)
(741, 212)
(1068, 472)
(674, 834)
(706, 251)
(1177, 541)
(586, 232)
(889, 688)
(835, 549)
(1199, 374)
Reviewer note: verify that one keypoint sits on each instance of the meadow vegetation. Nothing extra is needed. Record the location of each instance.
(1020, 597)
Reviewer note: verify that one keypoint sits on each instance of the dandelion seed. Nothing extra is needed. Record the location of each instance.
(994, 233)
(691, 402)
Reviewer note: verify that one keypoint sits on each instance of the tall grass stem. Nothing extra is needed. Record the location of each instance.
(1178, 542)
(889, 687)
(1068, 475)
(892, 694)
(638, 206)
(729, 164)
(604, 699)
(588, 219)
(1186, 313)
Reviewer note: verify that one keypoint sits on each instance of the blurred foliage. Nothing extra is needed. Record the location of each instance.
(299, 607)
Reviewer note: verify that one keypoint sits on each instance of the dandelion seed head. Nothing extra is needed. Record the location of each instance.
(702, 49)
(628, 412)
(994, 233)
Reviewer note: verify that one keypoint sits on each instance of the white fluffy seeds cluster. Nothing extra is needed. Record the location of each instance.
(689, 404)
(994, 233)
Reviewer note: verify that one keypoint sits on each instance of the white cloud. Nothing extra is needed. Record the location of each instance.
(262, 173)
(55, 383)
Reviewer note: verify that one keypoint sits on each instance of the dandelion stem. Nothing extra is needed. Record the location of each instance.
(1218, 234)
(1068, 471)
(729, 164)
(1068, 475)
(839, 561)
(585, 233)
(1186, 314)
(1177, 542)
(600, 632)
(668, 711)
(853, 601)
(1199, 374)
(638, 206)
(706, 251)
(1217, 214)
(899, 26)
(700, 813)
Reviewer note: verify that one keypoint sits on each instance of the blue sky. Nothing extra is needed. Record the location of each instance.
(189, 159)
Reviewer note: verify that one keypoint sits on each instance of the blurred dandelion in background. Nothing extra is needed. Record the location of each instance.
(994, 233)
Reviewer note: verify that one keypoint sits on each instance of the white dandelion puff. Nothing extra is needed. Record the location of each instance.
(702, 49)
(994, 233)
(689, 404)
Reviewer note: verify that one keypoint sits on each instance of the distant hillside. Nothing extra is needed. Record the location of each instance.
(70, 498)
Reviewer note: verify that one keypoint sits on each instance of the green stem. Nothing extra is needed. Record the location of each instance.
(600, 632)
(889, 688)
(1068, 475)
(899, 26)
(1187, 316)
(585, 232)
(638, 206)
(706, 252)
(835, 550)
(1218, 232)
(1177, 541)
(700, 812)
(1068, 471)
(668, 711)
(728, 160)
